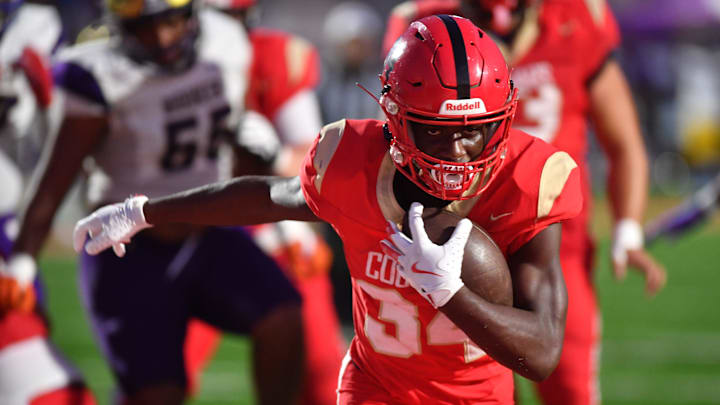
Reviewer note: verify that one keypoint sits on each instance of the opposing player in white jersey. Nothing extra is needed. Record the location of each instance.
(151, 105)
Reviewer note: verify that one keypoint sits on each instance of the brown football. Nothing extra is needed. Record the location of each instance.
(484, 269)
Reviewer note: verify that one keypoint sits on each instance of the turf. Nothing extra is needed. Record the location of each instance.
(663, 350)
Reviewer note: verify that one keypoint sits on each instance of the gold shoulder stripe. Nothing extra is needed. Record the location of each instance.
(297, 51)
(407, 10)
(596, 8)
(555, 173)
(330, 137)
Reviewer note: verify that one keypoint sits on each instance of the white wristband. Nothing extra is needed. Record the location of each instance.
(22, 267)
(628, 235)
(135, 205)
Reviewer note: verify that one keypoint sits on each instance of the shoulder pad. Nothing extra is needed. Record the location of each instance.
(330, 137)
(555, 172)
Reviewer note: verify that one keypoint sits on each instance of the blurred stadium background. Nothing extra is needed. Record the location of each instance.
(661, 350)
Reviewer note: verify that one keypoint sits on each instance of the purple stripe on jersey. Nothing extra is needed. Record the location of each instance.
(74, 78)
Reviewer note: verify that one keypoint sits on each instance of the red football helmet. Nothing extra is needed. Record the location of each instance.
(444, 71)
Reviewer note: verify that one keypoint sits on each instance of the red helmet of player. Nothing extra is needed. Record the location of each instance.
(444, 71)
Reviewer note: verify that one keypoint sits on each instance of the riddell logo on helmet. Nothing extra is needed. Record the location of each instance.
(463, 107)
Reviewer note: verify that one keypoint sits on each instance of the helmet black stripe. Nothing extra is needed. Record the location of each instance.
(462, 72)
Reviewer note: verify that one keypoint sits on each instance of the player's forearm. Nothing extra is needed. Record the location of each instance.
(35, 226)
(619, 133)
(36, 217)
(628, 184)
(527, 342)
(241, 201)
(527, 337)
(58, 168)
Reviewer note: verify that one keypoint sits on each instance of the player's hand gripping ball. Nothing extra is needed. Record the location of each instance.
(438, 252)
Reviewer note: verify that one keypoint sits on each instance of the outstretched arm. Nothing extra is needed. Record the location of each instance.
(241, 201)
(618, 131)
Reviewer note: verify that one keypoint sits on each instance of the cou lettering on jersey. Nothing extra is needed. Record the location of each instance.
(193, 96)
(383, 268)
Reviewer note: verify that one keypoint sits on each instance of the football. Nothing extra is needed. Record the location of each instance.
(484, 269)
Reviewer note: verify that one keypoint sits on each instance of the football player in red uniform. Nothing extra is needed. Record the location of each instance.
(562, 57)
(421, 337)
(283, 75)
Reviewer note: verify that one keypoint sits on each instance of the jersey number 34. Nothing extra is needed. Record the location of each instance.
(395, 309)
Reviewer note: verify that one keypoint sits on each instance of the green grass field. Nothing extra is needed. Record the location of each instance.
(664, 350)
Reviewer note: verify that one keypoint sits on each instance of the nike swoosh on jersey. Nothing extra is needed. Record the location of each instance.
(414, 269)
(496, 217)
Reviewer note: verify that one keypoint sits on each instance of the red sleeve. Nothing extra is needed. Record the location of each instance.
(313, 174)
(283, 66)
(544, 188)
(405, 13)
(567, 205)
(603, 34)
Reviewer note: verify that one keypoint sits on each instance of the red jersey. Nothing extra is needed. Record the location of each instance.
(558, 48)
(401, 341)
(283, 65)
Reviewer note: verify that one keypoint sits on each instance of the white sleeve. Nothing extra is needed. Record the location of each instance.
(298, 121)
(11, 180)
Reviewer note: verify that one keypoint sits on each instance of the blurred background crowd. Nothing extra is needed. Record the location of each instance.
(670, 52)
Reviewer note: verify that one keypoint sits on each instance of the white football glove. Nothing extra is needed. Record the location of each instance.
(111, 225)
(433, 270)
